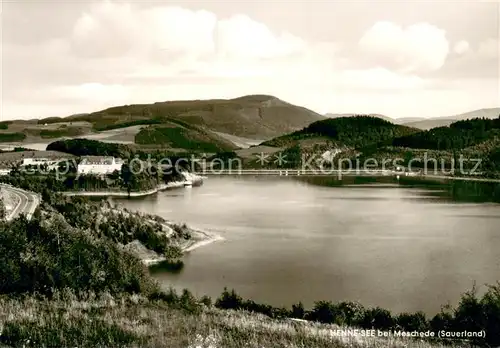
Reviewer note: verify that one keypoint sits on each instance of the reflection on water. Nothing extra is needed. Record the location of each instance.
(166, 266)
(406, 247)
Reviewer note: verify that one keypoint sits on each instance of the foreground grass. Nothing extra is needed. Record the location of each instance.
(133, 321)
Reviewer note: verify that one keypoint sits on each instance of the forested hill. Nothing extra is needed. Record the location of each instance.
(372, 137)
(87, 147)
(356, 131)
(458, 135)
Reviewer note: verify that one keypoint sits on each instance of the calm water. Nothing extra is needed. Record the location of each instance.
(401, 248)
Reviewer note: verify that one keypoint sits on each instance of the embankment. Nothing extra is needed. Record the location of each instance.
(159, 188)
(198, 239)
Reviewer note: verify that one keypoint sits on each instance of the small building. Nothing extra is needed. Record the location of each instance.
(33, 158)
(99, 165)
(35, 161)
(49, 163)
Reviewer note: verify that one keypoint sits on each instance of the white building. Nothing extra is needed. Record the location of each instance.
(99, 165)
(35, 161)
(38, 162)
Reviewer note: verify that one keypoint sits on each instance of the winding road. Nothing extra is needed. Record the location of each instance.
(28, 202)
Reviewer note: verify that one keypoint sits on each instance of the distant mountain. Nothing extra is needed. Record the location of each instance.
(252, 116)
(204, 125)
(427, 124)
(458, 135)
(490, 113)
(407, 120)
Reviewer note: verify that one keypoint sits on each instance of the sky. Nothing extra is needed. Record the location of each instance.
(397, 58)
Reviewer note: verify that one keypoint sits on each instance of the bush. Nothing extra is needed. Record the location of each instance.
(170, 297)
(443, 320)
(207, 301)
(181, 231)
(412, 322)
(40, 257)
(377, 318)
(350, 313)
(491, 311)
(298, 311)
(324, 312)
(188, 302)
(229, 300)
(469, 313)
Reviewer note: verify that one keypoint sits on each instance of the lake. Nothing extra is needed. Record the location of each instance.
(401, 247)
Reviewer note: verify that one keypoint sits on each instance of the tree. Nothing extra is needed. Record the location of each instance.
(413, 321)
(127, 177)
(3, 213)
(377, 318)
(229, 300)
(15, 169)
(443, 320)
(469, 314)
(172, 252)
(298, 310)
(349, 313)
(491, 310)
(324, 312)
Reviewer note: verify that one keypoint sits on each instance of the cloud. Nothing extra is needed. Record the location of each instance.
(116, 41)
(419, 47)
(461, 47)
(118, 53)
(114, 29)
(479, 61)
(167, 40)
(166, 33)
(242, 37)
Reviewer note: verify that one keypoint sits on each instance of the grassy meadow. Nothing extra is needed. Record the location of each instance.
(134, 321)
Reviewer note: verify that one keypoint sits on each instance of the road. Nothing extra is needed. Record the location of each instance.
(28, 202)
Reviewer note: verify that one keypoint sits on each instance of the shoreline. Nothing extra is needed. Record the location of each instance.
(198, 240)
(209, 238)
(163, 187)
(191, 180)
(198, 237)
